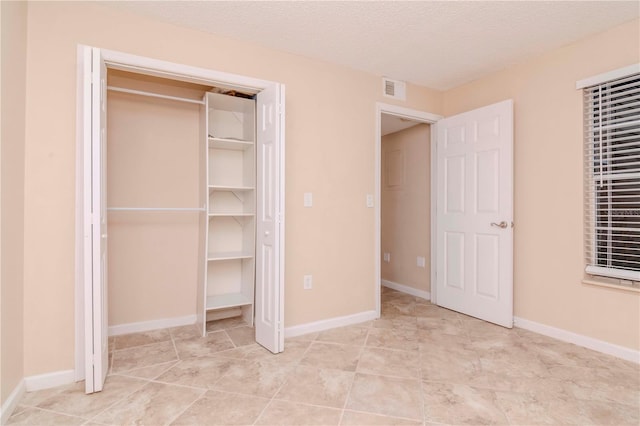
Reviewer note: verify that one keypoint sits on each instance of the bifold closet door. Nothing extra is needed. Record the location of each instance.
(270, 174)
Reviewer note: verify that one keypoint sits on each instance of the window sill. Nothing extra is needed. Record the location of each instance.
(634, 288)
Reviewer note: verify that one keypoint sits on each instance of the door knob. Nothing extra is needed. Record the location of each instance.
(502, 224)
(266, 233)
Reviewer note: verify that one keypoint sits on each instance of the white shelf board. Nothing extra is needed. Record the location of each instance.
(231, 214)
(227, 301)
(230, 188)
(232, 144)
(230, 255)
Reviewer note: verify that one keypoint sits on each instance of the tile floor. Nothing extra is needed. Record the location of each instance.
(418, 364)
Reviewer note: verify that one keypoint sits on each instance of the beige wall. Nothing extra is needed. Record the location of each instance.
(405, 208)
(548, 253)
(152, 161)
(330, 136)
(14, 51)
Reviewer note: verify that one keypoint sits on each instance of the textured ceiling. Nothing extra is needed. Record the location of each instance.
(431, 43)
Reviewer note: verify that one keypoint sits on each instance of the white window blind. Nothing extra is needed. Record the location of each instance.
(612, 178)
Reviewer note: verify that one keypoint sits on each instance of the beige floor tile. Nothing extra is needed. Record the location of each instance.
(294, 351)
(389, 396)
(185, 332)
(126, 341)
(153, 404)
(390, 362)
(439, 326)
(222, 408)
(396, 322)
(455, 364)
(36, 416)
(525, 409)
(471, 372)
(546, 409)
(308, 336)
(203, 346)
(143, 356)
(290, 413)
(354, 418)
(242, 351)
(436, 312)
(352, 335)
(460, 404)
(308, 385)
(225, 324)
(72, 400)
(397, 307)
(201, 372)
(259, 378)
(332, 355)
(150, 372)
(599, 384)
(403, 339)
(242, 336)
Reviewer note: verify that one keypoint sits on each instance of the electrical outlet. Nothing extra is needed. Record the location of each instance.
(308, 282)
(308, 199)
(386, 257)
(420, 261)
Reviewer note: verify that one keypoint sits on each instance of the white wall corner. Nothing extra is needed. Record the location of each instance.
(579, 339)
(316, 326)
(49, 380)
(406, 289)
(12, 401)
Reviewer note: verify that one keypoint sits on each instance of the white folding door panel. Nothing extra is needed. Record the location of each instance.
(269, 295)
(95, 223)
(474, 213)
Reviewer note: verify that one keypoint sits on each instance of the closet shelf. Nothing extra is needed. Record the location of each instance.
(231, 144)
(230, 300)
(230, 255)
(227, 188)
(233, 214)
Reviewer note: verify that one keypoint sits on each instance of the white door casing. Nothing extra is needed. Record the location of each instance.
(474, 229)
(269, 321)
(96, 313)
(91, 316)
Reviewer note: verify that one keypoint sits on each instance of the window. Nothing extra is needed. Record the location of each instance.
(612, 177)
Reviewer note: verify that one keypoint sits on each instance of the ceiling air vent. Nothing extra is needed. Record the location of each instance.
(394, 89)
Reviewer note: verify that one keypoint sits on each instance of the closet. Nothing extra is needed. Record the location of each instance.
(176, 222)
(181, 167)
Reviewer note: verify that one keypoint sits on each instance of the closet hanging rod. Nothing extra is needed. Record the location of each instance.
(155, 209)
(154, 95)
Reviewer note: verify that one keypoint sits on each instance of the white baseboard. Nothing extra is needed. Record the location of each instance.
(49, 380)
(137, 327)
(579, 339)
(312, 327)
(12, 402)
(406, 289)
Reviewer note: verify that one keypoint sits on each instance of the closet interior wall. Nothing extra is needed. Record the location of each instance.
(152, 162)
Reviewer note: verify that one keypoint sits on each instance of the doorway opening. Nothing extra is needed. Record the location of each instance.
(405, 177)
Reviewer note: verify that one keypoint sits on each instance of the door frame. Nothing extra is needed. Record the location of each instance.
(422, 117)
(154, 67)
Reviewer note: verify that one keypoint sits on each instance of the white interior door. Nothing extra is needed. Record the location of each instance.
(96, 313)
(474, 229)
(269, 292)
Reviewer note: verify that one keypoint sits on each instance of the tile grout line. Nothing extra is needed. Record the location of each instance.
(355, 372)
(177, 416)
